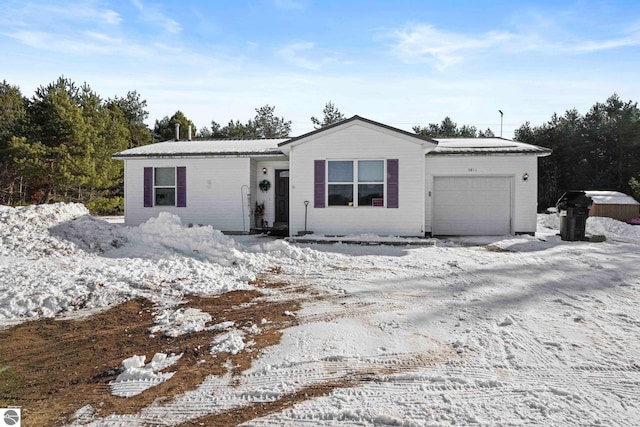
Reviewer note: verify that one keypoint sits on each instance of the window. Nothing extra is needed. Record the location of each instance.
(164, 186)
(363, 179)
(370, 183)
(340, 189)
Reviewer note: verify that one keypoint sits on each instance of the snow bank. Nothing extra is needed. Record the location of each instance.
(596, 225)
(58, 259)
(165, 235)
(24, 230)
(612, 228)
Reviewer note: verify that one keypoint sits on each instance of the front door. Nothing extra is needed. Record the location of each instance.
(282, 197)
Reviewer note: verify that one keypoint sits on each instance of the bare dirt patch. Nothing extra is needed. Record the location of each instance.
(52, 368)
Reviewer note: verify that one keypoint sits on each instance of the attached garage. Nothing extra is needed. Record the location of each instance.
(481, 186)
(471, 205)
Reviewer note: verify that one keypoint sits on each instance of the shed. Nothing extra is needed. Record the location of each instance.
(613, 204)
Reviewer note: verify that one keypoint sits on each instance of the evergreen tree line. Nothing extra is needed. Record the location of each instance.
(599, 150)
(57, 145)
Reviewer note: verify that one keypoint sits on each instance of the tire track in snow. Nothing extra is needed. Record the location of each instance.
(431, 395)
(217, 396)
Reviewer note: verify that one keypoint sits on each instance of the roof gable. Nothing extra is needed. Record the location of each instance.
(418, 139)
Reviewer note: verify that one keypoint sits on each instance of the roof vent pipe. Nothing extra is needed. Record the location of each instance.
(177, 131)
(189, 133)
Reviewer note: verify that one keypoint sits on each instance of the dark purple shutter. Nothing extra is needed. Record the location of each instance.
(392, 183)
(182, 187)
(318, 183)
(148, 187)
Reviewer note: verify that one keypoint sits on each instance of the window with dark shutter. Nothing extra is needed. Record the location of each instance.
(318, 183)
(181, 175)
(148, 187)
(165, 186)
(356, 183)
(392, 183)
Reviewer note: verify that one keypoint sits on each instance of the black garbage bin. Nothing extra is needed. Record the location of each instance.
(573, 208)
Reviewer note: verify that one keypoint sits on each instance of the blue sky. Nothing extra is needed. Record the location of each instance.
(402, 63)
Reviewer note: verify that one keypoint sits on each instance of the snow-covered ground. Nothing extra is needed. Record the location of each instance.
(505, 330)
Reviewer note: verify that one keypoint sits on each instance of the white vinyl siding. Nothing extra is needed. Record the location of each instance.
(358, 141)
(213, 185)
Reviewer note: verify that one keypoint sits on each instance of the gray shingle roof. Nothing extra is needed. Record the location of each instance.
(211, 147)
(486, 146)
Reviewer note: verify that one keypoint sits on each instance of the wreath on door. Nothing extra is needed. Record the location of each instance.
(264, 185)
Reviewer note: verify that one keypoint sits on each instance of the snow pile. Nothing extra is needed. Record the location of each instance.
(138, 377)
(24, 230)
(41, 215)
(596, 225)
(549, 221)
(173, 323)
(231, 342)
(285, 251)
(160, 236)
(57, 259)
(91, 234)
(612, 228)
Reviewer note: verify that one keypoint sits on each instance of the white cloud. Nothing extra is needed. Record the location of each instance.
(152, 14)
(630, 40)
(302, 54)
(84, 13)
(88, 43)
(111, 17)
(423, 43)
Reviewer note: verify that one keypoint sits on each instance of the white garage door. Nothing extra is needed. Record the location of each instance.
(478, 206)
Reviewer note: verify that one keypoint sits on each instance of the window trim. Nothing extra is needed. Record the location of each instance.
(355, 183)
(149, 194)
(174, 186)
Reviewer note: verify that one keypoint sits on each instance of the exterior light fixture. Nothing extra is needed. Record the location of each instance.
(264, 171)
(525, 176)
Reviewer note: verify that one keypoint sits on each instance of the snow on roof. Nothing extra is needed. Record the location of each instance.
(485, 146)
(219, 147)
(611, 198)
(235, 147)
